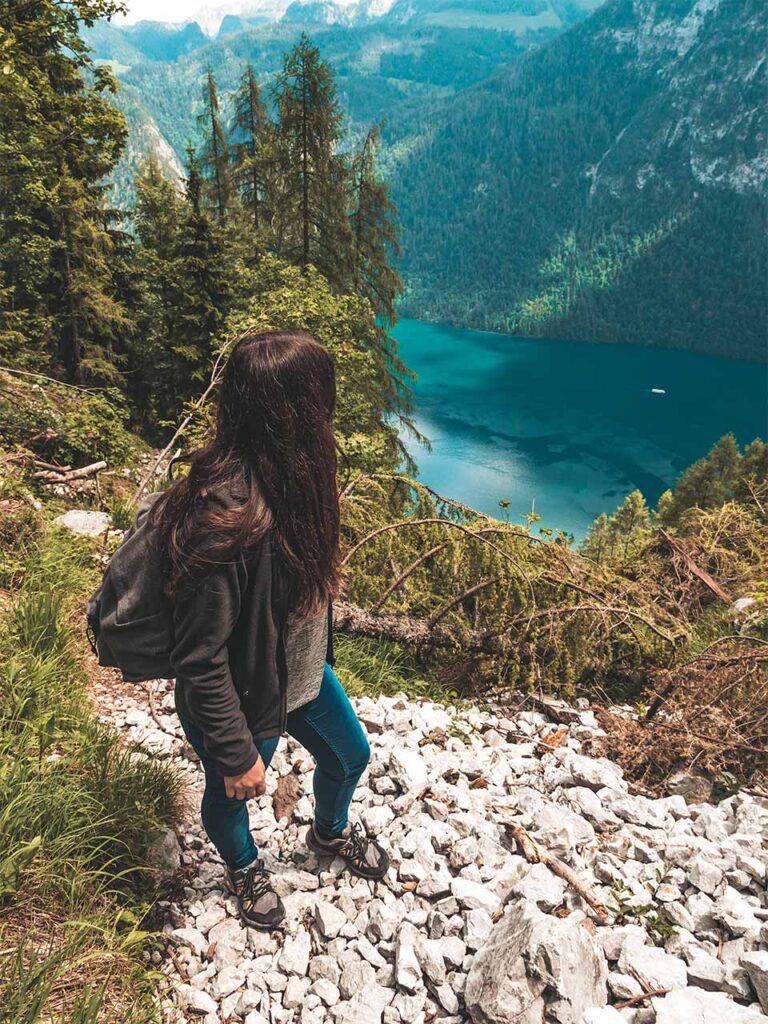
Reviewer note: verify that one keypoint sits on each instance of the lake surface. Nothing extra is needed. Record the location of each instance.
(571, 426)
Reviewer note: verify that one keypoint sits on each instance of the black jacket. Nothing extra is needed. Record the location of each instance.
(229, 656)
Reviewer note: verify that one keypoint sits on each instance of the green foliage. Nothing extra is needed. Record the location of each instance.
(78, 810)
(627, 910)
(375, 238)
(94, 962)
(69, 425)
(614, 539)
(312, 177)
(207, 263)
(59, 308)
(215, 157)
(372, 668)
(372, 384)
(544, 201)
(252, 139)
(725, 474)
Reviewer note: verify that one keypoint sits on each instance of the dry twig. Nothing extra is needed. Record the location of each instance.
(536, 854)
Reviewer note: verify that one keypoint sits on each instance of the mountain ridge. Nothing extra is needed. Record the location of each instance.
(574, 170)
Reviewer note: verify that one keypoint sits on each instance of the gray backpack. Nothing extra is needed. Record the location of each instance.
(130, 621)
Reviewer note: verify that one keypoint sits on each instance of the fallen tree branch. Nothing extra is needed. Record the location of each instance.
(709, 581)
(641, 997)
(536, 854)
(408, 571)
(661, 698)
(441, 612)
(61, 476)
(402, 629)
(600, 608)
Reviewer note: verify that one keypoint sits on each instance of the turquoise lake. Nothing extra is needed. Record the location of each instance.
(571, 426)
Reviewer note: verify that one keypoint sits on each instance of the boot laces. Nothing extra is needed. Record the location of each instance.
(356, 845)
(256, 882)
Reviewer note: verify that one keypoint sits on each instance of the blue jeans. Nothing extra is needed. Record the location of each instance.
(329, 728)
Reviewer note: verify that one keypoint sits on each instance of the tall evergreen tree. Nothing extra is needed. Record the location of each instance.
(203, 286)
(312, 226)
(214, 160)
(250, 148)
(60, 135)
(157, 219)
(374, 231)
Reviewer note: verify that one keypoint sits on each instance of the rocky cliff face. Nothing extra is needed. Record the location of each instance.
(610, 186)
(706, 117)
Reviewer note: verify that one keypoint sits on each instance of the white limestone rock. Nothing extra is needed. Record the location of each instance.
(696, 1005)
(542, 887)
(294, 957)
(407, 967)
(195, 1000)
(191, 938)
(528, 955)
(84, 522)
(330, 920)
(474, 896)
(653, 966)
(756, 966)
(602, 1015)
(409, 770)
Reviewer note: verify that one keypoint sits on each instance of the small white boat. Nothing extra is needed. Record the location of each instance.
(658, 391)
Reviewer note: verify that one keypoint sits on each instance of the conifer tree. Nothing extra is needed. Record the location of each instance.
(203, 285)
(157, 212)
(157, 220)
(60, 135)
(708, 483)
(374, 232)
(250, 148)
(311, 226)
(629, 524)
(598, 542)
(214, 160)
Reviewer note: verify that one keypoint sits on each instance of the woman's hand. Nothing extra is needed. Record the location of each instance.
(248, 785)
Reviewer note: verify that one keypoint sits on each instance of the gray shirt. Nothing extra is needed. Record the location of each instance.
(306, 644)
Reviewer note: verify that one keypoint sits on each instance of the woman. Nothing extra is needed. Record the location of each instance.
(251, 542)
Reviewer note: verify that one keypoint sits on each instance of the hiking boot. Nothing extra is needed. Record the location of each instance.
(362, 855)
(259, 904)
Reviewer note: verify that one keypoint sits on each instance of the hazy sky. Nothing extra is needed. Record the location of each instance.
(161, 10)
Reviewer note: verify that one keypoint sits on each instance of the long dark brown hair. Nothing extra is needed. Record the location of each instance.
(274, 454)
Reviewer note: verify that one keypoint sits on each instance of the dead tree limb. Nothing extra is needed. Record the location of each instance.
(660, 699)
(64, 477)
(709, 581)
(536, 854)
(600, 608)
(641, 997)
(216, 372)
(434, 619)
(402, 629)
(439, 521)
(408, 571)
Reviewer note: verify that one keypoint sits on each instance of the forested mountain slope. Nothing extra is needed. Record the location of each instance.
(387, 60)
(609, 186)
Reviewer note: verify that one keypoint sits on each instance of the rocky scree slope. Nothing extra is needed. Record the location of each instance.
(464, 928)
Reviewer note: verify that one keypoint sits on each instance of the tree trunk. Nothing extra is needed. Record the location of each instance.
(304, 170)
(70, 349)
(254, 172)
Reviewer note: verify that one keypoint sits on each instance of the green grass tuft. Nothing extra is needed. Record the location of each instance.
(373, 668)
(79, 813)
